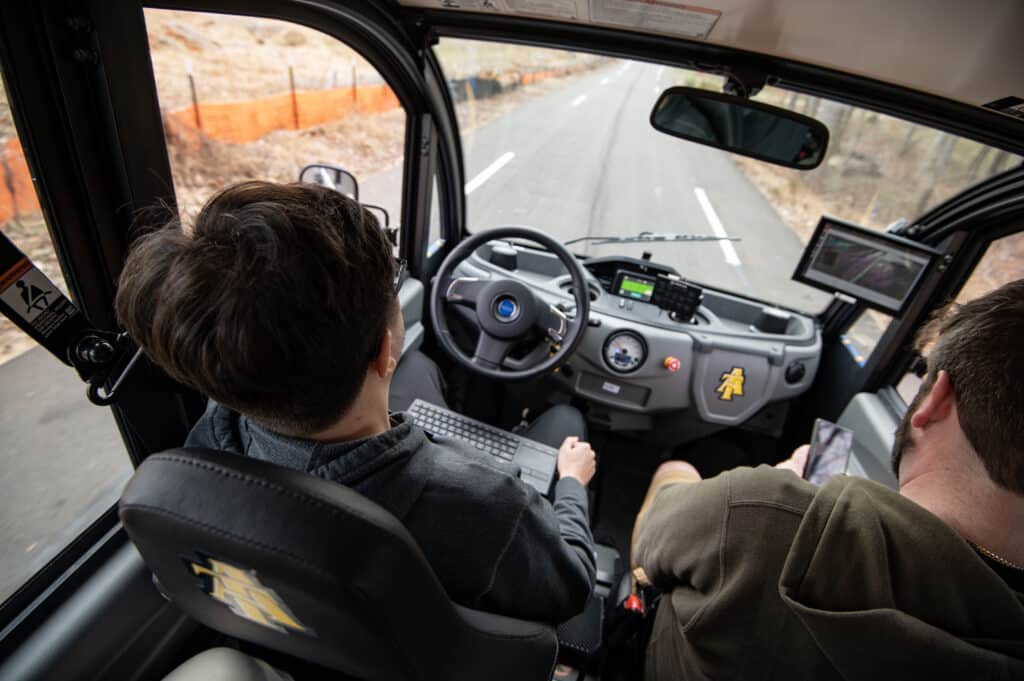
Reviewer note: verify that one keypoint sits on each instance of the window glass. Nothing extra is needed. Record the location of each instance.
(863, 335)
(62, 461)
(562, 141)
(246, 98)
(1002, 263)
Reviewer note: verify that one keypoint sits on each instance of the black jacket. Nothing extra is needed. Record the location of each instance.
(493, 541)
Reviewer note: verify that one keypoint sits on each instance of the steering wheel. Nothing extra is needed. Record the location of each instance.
(506, 309)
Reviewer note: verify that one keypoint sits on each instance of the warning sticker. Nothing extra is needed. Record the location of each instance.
(656, 15)
(37, 301)
(35, 304)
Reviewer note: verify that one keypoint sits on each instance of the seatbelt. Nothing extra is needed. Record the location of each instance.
(38, 307)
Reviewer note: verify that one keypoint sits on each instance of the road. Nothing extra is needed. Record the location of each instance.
(584, 160)
(62, 463)
(580, 160)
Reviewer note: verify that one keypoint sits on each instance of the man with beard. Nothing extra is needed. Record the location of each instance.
(764, 575)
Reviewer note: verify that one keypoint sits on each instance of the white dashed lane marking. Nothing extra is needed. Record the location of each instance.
(488, 172)
(716, 226)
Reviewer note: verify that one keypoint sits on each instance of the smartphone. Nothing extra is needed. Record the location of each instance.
(830, 451)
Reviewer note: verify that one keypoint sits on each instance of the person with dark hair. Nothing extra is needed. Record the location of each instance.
(764, 575)
(280, 305)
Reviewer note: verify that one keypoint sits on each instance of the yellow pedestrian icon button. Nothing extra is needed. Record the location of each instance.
(242, 592)
(731, 385)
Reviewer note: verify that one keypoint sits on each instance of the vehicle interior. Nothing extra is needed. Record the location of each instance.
(703, 227)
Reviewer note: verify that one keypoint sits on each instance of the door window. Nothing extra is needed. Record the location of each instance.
(246, 98)
(62, 460)
(1002, 263)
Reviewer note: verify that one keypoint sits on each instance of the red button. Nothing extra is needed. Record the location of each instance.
(672, 364)
(634, 604)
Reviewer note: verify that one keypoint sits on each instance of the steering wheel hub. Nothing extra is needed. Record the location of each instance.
(506, 309)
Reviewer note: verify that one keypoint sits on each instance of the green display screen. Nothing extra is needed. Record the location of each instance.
(638, 289)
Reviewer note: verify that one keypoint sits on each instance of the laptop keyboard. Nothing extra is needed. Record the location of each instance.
(535, 460)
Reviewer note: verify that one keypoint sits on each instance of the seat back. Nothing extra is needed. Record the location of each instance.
(310, 568)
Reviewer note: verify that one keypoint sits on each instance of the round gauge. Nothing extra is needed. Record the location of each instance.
(625, 351)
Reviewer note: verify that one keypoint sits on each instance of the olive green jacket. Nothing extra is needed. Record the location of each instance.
(766, 576)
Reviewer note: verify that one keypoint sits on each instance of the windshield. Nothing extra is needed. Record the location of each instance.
(562, 141)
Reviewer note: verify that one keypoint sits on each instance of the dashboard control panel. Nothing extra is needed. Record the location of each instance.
(656, 343)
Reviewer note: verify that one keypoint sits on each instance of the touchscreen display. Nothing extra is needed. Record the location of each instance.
(878, 269)
(635, 287)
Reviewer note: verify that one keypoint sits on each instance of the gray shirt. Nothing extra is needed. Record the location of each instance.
(493, 541)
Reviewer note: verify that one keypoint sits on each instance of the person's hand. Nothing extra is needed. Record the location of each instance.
(576, 460)
(797, 460)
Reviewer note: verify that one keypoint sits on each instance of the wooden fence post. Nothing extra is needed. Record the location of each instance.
(192, 89)
(295, 99)
(355, 87)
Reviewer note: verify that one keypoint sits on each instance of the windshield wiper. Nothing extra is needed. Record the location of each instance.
(649, 237)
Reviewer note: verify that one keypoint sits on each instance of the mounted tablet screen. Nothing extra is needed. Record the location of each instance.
(880, 270)
(634, 286)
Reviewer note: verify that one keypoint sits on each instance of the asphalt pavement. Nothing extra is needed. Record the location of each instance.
(62, 463)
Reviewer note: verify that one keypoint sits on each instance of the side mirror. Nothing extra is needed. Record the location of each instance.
(385, 222)
(741, 126)
(331, 177)
(378, 212)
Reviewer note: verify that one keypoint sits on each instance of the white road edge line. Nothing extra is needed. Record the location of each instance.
(716, 227)
(579, 100)
(488, 172)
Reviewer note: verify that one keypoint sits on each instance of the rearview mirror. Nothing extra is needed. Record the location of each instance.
(741, 126)
(331, 177)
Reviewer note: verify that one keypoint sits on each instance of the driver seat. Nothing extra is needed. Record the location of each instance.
(315, 570)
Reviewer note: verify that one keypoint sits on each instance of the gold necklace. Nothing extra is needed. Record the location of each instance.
(996, 557)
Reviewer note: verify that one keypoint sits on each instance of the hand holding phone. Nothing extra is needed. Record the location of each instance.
(829, 453)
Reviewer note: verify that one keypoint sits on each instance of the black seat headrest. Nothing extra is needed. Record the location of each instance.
(314, 569)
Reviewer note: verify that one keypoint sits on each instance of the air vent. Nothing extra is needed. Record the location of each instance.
(571, 290)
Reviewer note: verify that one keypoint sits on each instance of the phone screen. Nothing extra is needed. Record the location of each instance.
(830, 451)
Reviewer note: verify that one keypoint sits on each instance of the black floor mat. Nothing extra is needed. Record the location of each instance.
(624, 470)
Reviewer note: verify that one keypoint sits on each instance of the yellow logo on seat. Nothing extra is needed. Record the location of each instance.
(242, 592)
(732, 384)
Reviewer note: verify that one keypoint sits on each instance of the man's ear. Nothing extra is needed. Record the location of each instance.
(937, 405)
(384, 363)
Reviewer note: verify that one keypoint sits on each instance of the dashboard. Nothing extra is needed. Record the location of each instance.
(657, 343)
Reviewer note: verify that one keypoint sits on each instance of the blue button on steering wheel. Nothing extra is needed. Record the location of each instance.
(507, 310)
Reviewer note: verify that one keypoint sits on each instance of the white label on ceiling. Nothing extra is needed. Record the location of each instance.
(561, 9)
(655, 15)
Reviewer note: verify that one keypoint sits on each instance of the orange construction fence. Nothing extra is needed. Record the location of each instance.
(17, 195)
(247, 121)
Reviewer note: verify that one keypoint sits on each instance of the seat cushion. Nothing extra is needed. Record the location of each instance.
(225, 664)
